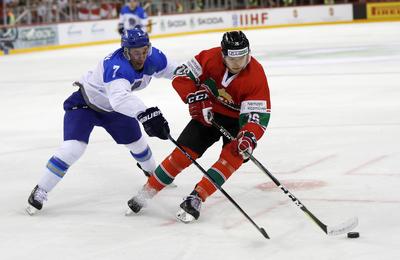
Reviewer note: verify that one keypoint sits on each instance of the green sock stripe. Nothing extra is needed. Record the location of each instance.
(216, 176)
(163, 176)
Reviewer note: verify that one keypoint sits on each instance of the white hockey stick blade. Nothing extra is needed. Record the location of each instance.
(343, 228)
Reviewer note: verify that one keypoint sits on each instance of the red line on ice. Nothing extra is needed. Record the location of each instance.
(309, 165)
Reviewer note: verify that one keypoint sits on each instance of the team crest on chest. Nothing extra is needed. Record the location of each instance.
(136, 84)
(224, 96)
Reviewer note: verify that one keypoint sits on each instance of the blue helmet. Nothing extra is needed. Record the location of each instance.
(135, 38)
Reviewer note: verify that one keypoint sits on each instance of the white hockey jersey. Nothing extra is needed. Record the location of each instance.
(110, 85)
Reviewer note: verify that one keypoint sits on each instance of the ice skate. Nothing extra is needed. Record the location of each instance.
(139, 201)
(35, 200)
(190, 208)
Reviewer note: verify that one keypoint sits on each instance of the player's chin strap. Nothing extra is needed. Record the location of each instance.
(329, 230)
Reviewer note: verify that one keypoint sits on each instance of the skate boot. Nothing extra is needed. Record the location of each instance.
(35, 200)
(139, 201)
(148, 174)
(190, 208)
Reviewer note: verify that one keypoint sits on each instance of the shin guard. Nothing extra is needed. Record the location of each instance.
(220, 171)
(166, 172)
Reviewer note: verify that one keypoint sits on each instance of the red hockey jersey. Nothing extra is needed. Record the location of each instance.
(244, 95)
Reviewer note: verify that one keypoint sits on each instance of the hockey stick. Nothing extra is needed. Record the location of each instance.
(260, 229)
(329, 230)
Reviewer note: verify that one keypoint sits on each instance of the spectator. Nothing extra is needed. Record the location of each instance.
(287, 2)
(41, 11)
(107, 11)
(8, 34)
(253, 3)
(10, 18)
(329, 2)
(178, 7)
(198, 5)
(62, 5)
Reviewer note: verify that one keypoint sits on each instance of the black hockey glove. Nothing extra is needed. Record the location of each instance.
(121, 28)
(154, 123)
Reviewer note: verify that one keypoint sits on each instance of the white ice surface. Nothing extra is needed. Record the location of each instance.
(333, 139)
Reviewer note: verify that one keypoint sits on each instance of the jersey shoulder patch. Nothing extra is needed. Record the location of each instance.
(194, 67)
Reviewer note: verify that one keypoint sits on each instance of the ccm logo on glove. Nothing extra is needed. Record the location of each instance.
(196, 97)
(200, 107)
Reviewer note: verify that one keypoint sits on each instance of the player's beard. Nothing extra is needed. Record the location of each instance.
(137, 65)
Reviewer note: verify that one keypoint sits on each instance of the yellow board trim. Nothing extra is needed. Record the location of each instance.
(57, 47)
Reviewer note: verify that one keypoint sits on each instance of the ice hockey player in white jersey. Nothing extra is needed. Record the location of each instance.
(132, 15)
(106, 99)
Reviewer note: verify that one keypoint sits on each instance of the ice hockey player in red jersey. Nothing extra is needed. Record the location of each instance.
(229, 84)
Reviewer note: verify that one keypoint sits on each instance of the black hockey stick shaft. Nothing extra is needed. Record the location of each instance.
(276, 181)
(260, 229)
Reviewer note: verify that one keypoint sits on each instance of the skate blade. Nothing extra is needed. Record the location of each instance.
(31, 210)
(184, 217)
(129, 212)
(172, 185)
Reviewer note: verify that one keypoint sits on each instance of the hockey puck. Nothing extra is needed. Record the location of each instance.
(353, 235)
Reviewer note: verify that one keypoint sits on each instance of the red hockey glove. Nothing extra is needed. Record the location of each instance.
(200, 107)
(244, 144)
(121, 28)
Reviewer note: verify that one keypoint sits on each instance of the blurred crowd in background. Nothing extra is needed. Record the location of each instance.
(22, 12)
